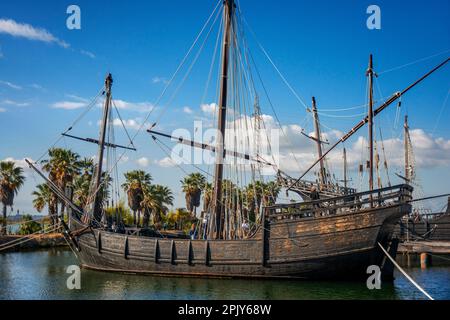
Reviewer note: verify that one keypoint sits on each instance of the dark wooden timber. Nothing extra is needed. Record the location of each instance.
(221, 119)
(208, 147)
(370, 122)
(107, 144)
(327, 239)
(101, 149)
(322, 173)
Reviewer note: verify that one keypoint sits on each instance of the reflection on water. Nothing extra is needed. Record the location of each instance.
(42, 275)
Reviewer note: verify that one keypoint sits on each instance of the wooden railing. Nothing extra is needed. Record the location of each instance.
(304, 187)
(342, 204)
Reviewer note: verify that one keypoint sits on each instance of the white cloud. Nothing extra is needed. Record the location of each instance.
(15, 103)
(36, 86)
(88, 53)
(188, 110)
(209, 108)
(11, 85)
(69, 105)
(159, 80)
(143, 162)
(166, 162)
(133, 106)
(128, 123)
(124, 159)
(23, 30)
(78, 98)
(2, 110)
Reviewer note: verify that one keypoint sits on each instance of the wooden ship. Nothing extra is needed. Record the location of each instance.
(422, 224)
(333, 237)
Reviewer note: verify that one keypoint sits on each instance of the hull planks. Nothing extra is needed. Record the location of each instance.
(339, 246)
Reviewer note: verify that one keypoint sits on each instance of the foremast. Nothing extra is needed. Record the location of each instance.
(97, 207)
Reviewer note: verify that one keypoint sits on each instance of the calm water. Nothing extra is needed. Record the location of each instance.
(42, 275)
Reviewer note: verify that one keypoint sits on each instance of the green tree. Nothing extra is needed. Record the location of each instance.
(28, 226)
(42, 197)
(192, 186)
(63, 166)
(11, 180)
(156, 199)
(135, 183)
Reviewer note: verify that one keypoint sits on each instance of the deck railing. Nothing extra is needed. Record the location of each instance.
(342, 204)
(304, 187)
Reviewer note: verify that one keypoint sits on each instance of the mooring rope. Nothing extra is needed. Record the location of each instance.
(404, 273)
(27, 239)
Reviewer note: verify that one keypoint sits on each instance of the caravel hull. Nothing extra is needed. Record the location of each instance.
(331, 247)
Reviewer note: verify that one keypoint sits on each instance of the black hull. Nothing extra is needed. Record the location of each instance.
(331, 247)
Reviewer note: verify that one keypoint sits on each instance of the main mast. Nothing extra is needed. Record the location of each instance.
(101, 148)
(228, 8)
(370, 122)
(322, 174)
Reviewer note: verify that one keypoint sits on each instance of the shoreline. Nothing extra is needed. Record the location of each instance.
(43, 241)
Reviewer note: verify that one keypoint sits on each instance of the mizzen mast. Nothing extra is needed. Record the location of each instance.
(101, 149)
(228, 11)
(408, 170)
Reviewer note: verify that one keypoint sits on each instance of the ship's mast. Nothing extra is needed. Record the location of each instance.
(228, 8)
(370, 121)
(322, 174)
(406, 146)
(370, 124)
(101, 147)
(358, 126)
(345, 169)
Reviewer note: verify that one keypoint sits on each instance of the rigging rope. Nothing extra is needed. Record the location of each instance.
(413, 62)
(404, 273)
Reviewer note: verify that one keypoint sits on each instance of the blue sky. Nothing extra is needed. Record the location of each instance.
(321, 47)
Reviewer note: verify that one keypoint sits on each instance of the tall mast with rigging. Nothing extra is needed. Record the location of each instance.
(322, 174)
(377, 111)
(370, 122)
(345, 168)
(406, 146)
(101, 148)
(228, 8)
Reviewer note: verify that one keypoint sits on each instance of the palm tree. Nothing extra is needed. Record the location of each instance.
(136, 182)
(156, 199)
(11, 180)
(193, 186)
(207, 196)
(43, 198)
(81, 185)
(62, 166)
(86, 166)
(271, 190)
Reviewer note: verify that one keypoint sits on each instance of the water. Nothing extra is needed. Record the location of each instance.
(42, 275)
